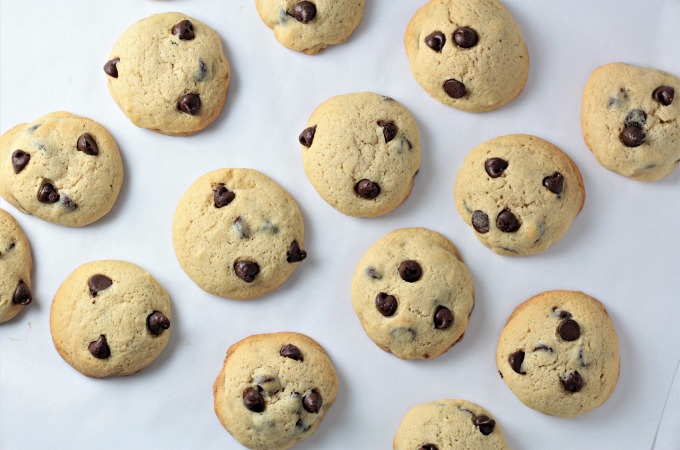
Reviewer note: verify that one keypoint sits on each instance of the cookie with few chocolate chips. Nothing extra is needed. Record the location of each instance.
(16, 266)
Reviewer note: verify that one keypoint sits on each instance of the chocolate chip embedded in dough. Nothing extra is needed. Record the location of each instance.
(157, 322)
(480, 222)
(87, 144)
(292, 352)
(185, 30)
(111, 69)
(246, 270)
(99, 348)
(312, 402)
(454, 88)
(386, 304)
(222, 196)
(410, 271)
(436, 41)
(304, 12)
(22, 294)
(98, 283)
(465, 37)
(516, 360)
(253, 400)
(307, 136)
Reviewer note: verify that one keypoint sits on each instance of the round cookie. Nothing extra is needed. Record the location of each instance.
(62, 168)
(110, 318)
(274, 390)
(168, 73)
(631, 120)
(16, 266)
(559, 353)
(310, 26)
(413, 293)
(361, 152)
(519, 193)
(449, 424)
(468, 54)
(238, 234)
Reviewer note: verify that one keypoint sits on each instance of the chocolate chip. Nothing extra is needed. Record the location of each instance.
(246, 270)
(554, 183)
(389, 130)
(190, 104)
(495, 167)
(241, 228)
(22, 294)
(253, 400)
(87, 144)
(436, 41)
(664, 95)
(373, 273)
(304, 12)
(307, 136)
(454, 88)
(543, 347)
(300, 424)
(443, 318)
(485, 423)
(480, 222)
(569, 330)
(292, 352)
(19, 160)
(99, 348)
(185, 30)
(632, 136)
(48, 194)
(465, 37)
(68, 203)
(516, 360)
(573, 382)
(386, 304)
(635, 118)
(410, 271)
(312, 402)
(222, 196)
(111, 69)
(295, 253)
(563, 314)
(99, 283)
(157, 322)
(202, 69)
(428, 447)
(507, 222)
(367, 189)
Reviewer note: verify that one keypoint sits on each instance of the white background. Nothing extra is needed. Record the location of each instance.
(624, 248)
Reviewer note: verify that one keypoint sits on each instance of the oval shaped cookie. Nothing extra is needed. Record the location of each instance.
(16, 266)
(631, 120)
(413, 293)
(519, 193)
(361, 152)
(468, 54)
(62, 168)
(168, 73)
(559, 353)
(110, 318)
(238, 234)
(274, 390)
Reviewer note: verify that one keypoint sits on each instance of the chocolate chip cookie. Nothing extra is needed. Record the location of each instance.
(16, 266)
(361, 152)
(238, 234)
(62, 168)
(274, 390)
(468, 54)
(559, 353)
(168, 73)
(110, 318)
(413, 293)
(631, 120)
(519, 193)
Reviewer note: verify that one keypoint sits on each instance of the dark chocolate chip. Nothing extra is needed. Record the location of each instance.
(241, 228)
(389, 129)
(664, 95)
(185, 30)
(410, 271)
(635, 118)
(554, 183)
(292, 352)
(300, 424)
(202, 69)
(157, 322)
(428, 447)
(68, 203)
(507, 222)
(22, 294)
(99, 283)
(465, 37)
(312, 402)
(495, 167)
(190, 104)
(19, 160)
(516, 360)
(111, 69)
(246, 270)
(485, 423)
(564, 314)
(573, 382)
(48, 194)
(386, 304)
(295, 253)
(632, 136)
(373, 273)
(304, 11)
(443, 318)
(253, 400)
(222, 196)
(367, 189)
(307, 136)
(543, 347)
(454, 88)
(99, 348)
(87, 144)
(480, 222)
(436, 41)
(569, 330)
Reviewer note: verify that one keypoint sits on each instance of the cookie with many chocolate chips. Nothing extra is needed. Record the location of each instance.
(110, 318)
(238, 234)
(413, 293)
(631, 120)
(361, 152)
(62, 168)
(559, 353)
(468, 54)
(310, 26)
(274, 390)
(449, 424)
(168, 73)
(519, 193)
(16, 266)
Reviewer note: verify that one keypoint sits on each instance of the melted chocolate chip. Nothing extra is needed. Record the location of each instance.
(495, 167)
(307, 136)
(554, 183)
(436, 41)
(507, 222)
(68, 203)
(428, 447)
(386, 304)
(465, 37)
(99, 283)
(373, 273)
(563, 314)
(543, 347)
(443, 318)
(48, 194)
(246, 270)
(312, 402)
(222, 196)
(516, 360)
(569, 330)
(157, 322)
(253, 400)
(99, 348)
(632, 136)
(410, 271)
(635, 118)
(367, 189)
(19, 160)
(22, 294)
(185, 30)
(292, 352)
(573, 382)
(202, 69)
(111, 69)
(389, 129)
(664, 95)
(480, 222)
(304, 12)
(485, 423)
(454, 88)
(190, 104)
(295, 253)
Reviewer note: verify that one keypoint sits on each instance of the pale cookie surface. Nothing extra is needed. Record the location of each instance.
(274, 390)
(559, 353)
(468, 54)
(62, 168)
(110, 318)
(449, 425)
(310, 26)
(238, 234)
(519, 193)
(631, 120)
(361, 152)
(413, 293)
(16, 266)
(168, 73)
